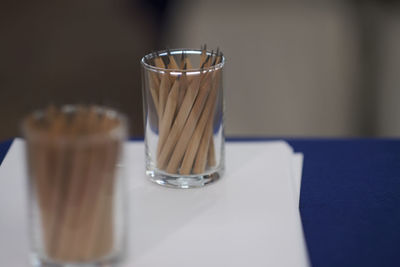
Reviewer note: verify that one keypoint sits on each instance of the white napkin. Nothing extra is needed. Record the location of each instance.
(248, 218)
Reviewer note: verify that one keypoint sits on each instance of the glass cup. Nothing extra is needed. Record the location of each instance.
(76, 192)
(183, 117)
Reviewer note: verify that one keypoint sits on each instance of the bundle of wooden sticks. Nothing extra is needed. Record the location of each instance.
(72, 159)
(185, 102)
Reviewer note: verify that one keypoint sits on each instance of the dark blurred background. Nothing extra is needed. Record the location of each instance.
(294, 68)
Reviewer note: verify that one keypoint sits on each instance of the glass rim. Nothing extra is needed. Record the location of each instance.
(179, 51)
(119, 132)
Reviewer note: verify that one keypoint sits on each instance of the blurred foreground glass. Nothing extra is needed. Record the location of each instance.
(183, 117)
(76, 191)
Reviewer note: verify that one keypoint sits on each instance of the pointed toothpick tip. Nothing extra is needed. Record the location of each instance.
(216, 57)
(166, 61)
(205, 61)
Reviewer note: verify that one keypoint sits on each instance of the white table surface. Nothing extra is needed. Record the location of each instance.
(248, 218)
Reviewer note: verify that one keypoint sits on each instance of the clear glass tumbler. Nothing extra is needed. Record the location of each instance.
(76, 190)
(183, 117)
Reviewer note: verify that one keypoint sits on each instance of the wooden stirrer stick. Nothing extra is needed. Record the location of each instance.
(168, 116)
(190, 125)
(179, 123)
(201, 158)
(194, 143)
(207, 116)
(164, 91)
(100, 227)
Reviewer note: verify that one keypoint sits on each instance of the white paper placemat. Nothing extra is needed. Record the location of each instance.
(248, 218)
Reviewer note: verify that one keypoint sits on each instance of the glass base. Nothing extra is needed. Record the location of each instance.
(179, 181)
(36, 261)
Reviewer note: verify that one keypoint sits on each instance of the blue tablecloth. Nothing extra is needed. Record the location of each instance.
(350, 200)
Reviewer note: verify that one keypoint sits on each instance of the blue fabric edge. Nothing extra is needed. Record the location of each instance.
(4, 147)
